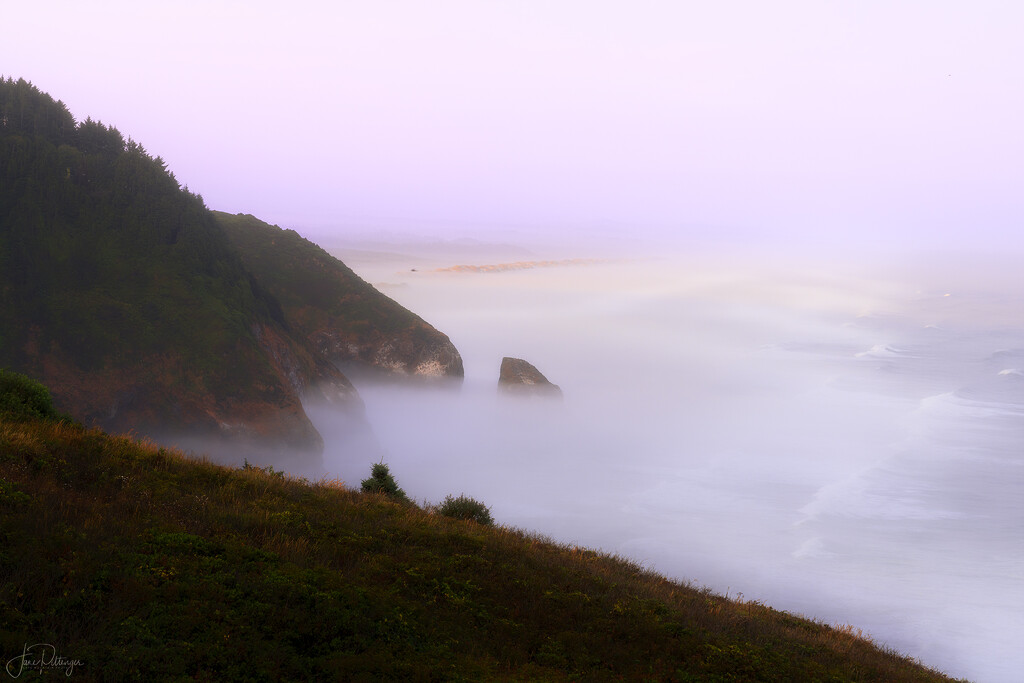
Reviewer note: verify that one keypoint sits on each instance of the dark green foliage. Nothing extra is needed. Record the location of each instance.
(465, 507)
(24, 110)
(23, 398)
(381, 481)
(106, 262)
(102, 251)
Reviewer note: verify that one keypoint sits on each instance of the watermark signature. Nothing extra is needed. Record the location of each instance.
(39, 657)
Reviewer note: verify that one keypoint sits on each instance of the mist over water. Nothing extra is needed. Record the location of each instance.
(844, 442)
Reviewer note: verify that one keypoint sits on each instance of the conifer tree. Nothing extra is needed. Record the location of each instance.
(381, 481)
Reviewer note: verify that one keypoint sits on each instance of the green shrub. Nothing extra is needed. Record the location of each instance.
(465, 507)
(10, 495)
(381, 481)
(23, 398)
(269, 469)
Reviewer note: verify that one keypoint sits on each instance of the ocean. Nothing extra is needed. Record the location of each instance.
(842, 438)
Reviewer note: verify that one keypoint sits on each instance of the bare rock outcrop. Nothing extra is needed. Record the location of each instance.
(520, 378)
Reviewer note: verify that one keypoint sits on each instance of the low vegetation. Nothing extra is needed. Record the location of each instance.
(135, 562)
(23, 398)
(465, 507)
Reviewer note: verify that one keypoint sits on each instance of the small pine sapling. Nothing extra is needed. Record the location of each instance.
(381, 481)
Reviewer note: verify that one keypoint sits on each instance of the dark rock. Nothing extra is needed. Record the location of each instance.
(517, 377)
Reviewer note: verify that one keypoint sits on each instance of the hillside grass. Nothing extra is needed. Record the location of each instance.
(141, 563)
(315, 289)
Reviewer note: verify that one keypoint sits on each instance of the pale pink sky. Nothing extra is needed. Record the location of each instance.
(871, 123)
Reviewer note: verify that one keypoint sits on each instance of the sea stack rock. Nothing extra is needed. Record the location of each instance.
(520, 378)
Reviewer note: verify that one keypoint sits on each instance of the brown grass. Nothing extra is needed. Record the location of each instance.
(145, 563)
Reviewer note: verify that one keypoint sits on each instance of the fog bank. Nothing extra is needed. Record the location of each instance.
(839, 440)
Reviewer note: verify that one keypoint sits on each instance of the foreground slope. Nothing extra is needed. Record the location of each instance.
(119, 288)
(340, 314)
(139, 563)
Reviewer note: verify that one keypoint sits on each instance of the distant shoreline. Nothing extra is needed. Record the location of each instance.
(518, 265)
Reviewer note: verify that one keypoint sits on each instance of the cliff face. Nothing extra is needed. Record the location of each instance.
(159, 400)
(418, 350)
(254, 405)
(342, 316)
(120, 290)
(311, 376)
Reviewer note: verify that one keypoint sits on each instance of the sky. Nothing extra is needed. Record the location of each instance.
(876, 124)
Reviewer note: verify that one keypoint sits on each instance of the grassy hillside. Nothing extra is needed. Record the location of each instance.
(141, 564)
(312, 286)
(340, 314)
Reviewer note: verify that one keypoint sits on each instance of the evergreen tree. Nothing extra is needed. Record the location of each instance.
(381, 481)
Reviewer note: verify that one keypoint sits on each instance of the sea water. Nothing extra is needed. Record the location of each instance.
(842, 441)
